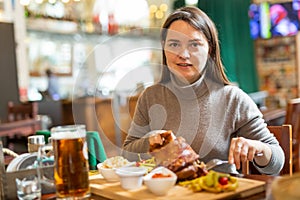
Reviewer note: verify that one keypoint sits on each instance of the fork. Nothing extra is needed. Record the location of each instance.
(215, 162)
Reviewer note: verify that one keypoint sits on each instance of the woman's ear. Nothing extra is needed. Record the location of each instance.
(209, 51)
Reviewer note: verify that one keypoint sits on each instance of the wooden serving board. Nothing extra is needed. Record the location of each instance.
(113, 190)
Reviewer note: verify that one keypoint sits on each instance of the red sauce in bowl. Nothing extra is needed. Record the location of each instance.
(160, 175)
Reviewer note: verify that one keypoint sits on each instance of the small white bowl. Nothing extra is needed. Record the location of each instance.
(160, 186)
(131, 177)
(109, 174)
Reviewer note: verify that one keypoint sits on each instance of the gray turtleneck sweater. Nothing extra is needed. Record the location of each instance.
(207, 115)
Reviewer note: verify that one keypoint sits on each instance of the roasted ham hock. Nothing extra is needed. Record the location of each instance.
(177, 155)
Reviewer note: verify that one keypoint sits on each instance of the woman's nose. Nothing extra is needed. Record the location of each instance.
(184, 53)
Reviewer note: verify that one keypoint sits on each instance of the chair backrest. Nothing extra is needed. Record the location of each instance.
(284, 136)
(293, 116)
(16, 112)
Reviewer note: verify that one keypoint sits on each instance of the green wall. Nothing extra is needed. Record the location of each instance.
(237, 48)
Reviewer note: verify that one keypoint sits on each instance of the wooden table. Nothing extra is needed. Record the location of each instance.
(267, 193)
(274, 117)
(258, 196)
(261, 192)
(22, 127)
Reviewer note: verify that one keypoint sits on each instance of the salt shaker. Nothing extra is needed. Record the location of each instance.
(34, 142)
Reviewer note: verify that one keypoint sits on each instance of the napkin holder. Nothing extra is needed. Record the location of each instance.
(8, 188)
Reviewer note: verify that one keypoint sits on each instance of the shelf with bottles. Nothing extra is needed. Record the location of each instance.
(69, 29)
(63, 36)
(92, 55)
(277, 62)
(91, 17)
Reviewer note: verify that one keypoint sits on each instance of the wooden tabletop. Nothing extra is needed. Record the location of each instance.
(261, 195)
(113, 190)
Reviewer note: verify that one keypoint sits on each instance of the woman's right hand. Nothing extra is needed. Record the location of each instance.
(242, 149)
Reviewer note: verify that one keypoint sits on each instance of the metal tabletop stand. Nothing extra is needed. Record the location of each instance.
(8, 189)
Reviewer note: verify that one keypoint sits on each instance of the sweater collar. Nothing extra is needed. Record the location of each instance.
(188, 91)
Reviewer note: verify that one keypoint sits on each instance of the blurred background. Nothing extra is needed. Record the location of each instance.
(103, 53)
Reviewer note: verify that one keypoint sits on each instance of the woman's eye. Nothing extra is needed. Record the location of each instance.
(173, 44)
(194, 44)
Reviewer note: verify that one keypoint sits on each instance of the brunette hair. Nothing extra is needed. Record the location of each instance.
(200, 21)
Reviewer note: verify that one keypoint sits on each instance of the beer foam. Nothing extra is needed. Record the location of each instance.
(68, 135)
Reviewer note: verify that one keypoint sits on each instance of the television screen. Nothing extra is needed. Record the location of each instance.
(265, 22)
(284, 18)
(277, 19)
(254, 22)
(260, 24)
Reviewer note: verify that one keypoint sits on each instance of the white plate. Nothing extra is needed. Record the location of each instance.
(27, 162)
(12, 166)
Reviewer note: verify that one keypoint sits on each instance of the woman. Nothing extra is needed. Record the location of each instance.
(195, 100)
(53, 87)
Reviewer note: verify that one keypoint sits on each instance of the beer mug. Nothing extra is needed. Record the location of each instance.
(71, 168)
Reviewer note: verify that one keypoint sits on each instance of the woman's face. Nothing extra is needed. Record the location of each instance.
(186, 51)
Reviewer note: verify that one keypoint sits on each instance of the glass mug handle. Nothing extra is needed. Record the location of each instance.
(45, 161)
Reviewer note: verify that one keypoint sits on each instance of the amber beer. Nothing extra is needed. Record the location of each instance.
(71, 172)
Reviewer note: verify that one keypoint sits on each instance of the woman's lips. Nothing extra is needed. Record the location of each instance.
(184, 64)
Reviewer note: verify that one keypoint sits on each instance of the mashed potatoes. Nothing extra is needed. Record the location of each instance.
(115, 162)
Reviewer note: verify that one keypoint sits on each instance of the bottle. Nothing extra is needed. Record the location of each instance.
(112, 25)
(34, 142)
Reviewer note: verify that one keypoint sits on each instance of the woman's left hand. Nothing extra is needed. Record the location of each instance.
(242, 149)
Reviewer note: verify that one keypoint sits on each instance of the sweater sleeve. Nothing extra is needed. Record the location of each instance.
(136, 140)
(136, 144)
(251, 125)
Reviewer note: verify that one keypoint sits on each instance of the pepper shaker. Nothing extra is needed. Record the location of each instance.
(34, 142)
